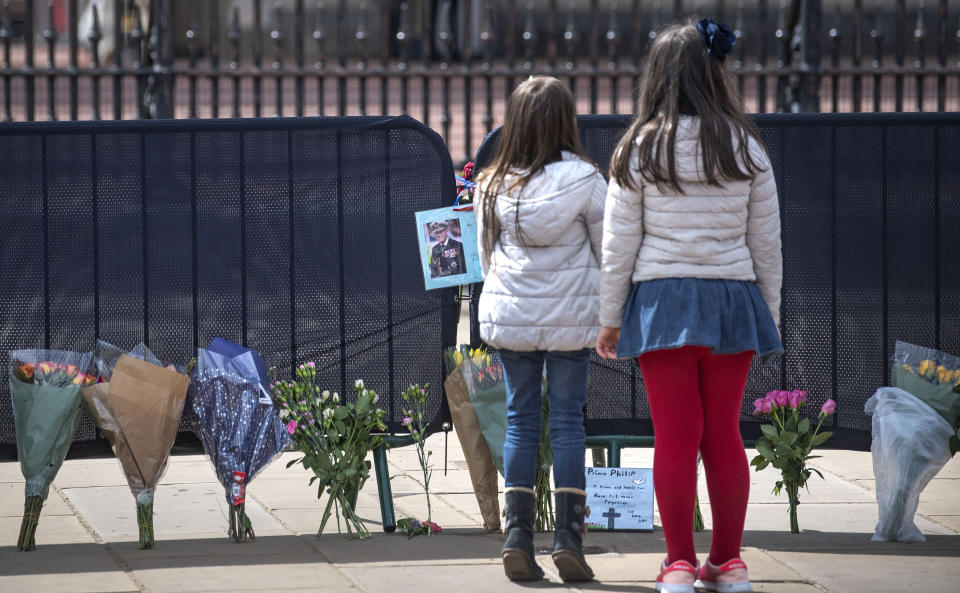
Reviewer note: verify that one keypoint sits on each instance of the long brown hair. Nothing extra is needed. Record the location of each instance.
(680, 77)
(540, 123)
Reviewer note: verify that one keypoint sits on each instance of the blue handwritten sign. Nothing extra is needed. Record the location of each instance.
(620, 499)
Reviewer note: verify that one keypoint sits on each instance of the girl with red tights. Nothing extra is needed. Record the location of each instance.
(690, 287)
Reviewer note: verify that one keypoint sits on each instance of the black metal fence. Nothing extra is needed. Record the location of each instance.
(292, 236)
(869, 207)
(452, 63)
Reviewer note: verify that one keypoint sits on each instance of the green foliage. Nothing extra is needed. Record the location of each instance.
(416, 422)
(335, 438)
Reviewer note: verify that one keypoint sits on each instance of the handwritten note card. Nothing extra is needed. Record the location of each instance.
(620, 498)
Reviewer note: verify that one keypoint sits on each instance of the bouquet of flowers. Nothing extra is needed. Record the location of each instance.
(915, 432)
(787, 441)
(236, 421)
(484, 384)
(137, 404)
(335, 437)
(415, 421)
(45, 389)
(483, 470)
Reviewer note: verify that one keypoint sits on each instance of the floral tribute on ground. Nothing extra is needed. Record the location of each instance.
(335, 438)
(137, 403)
(787, 442)
(45, 391)
(237, 423)
(416, 422)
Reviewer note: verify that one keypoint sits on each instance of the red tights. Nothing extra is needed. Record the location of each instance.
(695, 400)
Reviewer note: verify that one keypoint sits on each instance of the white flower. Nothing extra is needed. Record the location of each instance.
(375, 397)
(336, 397)
(317, 402)
(328, 413)
(359, 384)
(325, 395)
(284, 414)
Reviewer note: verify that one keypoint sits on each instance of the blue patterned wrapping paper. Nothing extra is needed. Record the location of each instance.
(236, 420)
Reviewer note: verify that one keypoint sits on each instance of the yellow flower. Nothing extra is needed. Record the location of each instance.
(910, 369)
(927, 368)
(942, 374)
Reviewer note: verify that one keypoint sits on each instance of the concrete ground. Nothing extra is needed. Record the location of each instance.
(87, 537)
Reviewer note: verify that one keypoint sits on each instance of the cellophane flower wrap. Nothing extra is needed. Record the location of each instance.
(237, 423)
(137, 404)
(335, 437)
(45, 392)
(483, 374)
(914, 433)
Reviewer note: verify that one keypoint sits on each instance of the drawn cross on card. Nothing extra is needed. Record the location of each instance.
(611, 515)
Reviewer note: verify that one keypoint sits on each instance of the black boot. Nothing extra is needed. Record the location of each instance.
(568, 538)
(518, 556)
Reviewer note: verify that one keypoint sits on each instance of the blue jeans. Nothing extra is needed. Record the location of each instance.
(567, 377)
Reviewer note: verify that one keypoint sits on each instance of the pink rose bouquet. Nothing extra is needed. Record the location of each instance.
(787, 441)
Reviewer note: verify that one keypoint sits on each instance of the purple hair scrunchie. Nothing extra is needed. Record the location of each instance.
(718, 38)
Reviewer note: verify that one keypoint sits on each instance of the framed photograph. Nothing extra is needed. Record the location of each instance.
(448, 247)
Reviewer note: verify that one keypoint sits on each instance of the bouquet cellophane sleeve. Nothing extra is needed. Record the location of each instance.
(45, 419)
(489, 399)
(483, 472)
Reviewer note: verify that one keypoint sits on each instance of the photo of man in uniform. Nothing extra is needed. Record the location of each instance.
(446, 257)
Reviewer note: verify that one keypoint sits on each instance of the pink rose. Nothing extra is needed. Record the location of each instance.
(829, 407)
(407, 421)
(782, 398)
(311, 365)
(766, 406)
(292, 426)
(758, 406)
(797, 398)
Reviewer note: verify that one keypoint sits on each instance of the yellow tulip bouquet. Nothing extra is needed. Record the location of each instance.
(915, 432)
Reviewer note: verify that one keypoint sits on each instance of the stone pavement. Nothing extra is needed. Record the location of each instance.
(87, 538)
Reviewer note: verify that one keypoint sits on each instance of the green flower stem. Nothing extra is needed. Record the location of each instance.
(28, 527)
(240, 526)
(793, 493)
(145, 523)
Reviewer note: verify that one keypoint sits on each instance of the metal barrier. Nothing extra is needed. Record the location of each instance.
(294, 237)
(869, 207)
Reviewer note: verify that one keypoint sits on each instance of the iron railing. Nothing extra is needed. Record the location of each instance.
(453, 68)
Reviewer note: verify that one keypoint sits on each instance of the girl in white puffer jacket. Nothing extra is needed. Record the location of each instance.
(540, 216)
(691, 287)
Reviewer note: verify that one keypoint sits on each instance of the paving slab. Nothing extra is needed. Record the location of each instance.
(55, 529)
(178, 508)
(878, 572)
(12, 499)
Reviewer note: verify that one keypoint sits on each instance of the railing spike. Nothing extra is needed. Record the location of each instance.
(362, 37)
(529, 38)
(570, 35)
(276, 35)
(94, 36)
(403, 35)
(612, 37)
(319, 37)
(50, 34)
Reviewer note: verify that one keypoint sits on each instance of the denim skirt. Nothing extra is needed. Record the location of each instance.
(726, 316)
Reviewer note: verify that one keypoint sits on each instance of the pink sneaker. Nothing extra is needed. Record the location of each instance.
(681, 566)
(708, 577)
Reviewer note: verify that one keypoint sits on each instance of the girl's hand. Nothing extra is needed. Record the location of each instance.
(607, 342)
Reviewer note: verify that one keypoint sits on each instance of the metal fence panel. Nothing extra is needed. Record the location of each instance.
(292, 236)
(869, 204)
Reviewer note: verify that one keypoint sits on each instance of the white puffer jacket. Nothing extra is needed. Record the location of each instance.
(542, 294)
(730, 232)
